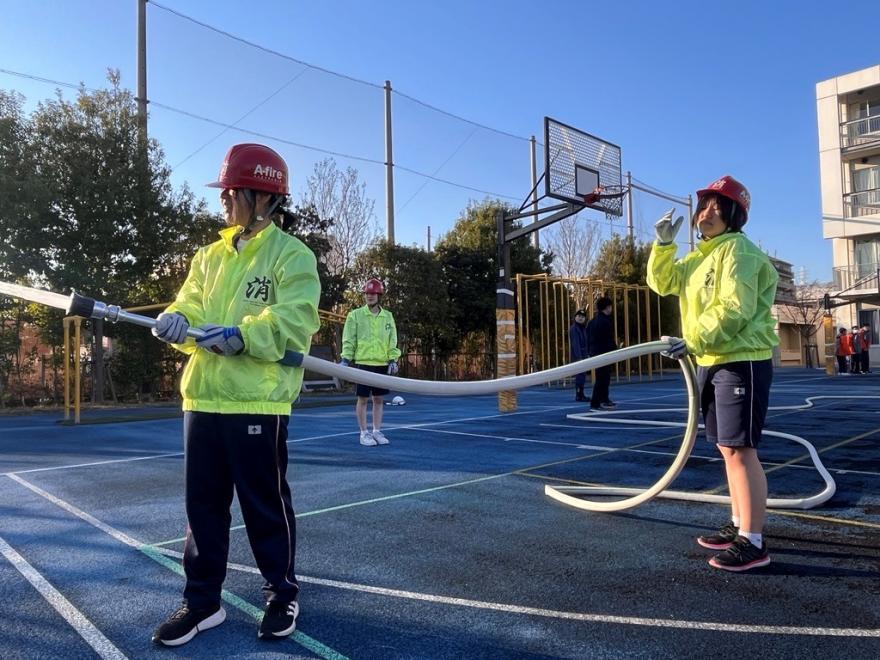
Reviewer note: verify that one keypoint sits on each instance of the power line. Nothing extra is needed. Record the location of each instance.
(652, 189)
(459, 118)
(243, 117)
(266, 136)
(259, 47)
(451, 156)
(330, 72)
(329, 152)
(48, 81)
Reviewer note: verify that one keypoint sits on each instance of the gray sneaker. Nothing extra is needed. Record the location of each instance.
(380, 438)
(367, 439)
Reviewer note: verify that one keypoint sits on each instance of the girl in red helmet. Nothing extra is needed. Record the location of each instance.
(369, 340)
(726, 289)
(255, 294)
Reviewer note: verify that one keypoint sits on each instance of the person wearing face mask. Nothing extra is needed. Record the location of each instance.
(254, 294)
(369, 341)
(726, 288)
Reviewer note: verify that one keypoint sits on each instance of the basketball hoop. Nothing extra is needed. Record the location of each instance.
(608, 198)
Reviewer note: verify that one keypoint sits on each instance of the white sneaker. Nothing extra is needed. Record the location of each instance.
(367, 439)
(380, 438)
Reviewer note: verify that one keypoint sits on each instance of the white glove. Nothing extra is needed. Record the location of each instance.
(666, 229)
(220, 340)
(677, 348)
(392, 367)
(171, 327)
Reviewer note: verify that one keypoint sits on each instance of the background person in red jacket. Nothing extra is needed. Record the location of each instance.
(843, 350)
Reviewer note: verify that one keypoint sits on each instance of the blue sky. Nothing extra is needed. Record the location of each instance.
(689, 90)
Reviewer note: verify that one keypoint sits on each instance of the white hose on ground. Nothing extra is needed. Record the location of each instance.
(566, 494)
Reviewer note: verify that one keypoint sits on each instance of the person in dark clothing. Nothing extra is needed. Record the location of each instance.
(865, 336)
(577, 337)
(600, 339)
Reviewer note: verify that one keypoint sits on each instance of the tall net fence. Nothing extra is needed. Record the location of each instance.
(208, 88)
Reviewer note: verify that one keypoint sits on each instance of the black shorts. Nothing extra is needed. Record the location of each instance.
(734, 398)
(367, 390)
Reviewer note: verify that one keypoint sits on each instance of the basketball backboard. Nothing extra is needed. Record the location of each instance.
(577, 163)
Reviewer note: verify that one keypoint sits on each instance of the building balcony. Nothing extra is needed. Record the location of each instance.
(857, 281)
(862, 203)
(860, 134)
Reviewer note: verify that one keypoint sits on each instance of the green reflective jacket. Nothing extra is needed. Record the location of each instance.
(370, 338)
(726, 288)
(270, 291)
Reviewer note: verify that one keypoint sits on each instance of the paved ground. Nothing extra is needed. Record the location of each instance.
(443, 545)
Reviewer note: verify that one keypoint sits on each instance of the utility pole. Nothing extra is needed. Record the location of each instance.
(142, 69)
(389, 169)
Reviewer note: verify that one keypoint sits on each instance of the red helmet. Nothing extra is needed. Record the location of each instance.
(730, 188)
(374, 286)
(253, 166)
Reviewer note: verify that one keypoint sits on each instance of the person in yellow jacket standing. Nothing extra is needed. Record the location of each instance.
(726, 288)
(369, 340)
(254, 294)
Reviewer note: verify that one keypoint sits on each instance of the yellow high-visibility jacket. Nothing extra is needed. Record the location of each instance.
(270, 291)
(726, 288)
(369, 338)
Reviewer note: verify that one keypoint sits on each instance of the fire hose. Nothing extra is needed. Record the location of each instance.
(79, 305)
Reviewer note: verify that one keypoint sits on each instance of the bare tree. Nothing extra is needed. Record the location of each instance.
(573, 242)
(804, 310)
(338, 195)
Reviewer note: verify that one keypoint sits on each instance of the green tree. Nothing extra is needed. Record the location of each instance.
(21, 192)
(114, 221)
(469, 260)
(314, 230)
(86, 205)
(622, 260)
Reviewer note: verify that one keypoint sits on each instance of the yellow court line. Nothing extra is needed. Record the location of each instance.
(793, 461)
(823, 450)
(811, 516)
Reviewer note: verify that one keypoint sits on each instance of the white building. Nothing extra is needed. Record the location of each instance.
(848, 114)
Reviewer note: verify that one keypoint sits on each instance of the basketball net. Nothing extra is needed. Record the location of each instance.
(610, 199)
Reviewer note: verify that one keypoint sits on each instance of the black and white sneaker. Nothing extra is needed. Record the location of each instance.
(720, 540)
(186, 623)
(279, 620)
(742, 555)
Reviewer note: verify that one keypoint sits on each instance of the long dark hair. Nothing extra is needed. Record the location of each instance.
(731, 212)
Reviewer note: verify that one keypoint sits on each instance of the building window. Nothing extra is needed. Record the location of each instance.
(867, 256)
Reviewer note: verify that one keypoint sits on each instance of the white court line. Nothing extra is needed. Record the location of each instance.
(442, 421)
(705, 458)
(107, 462)
(500, 607)
(86, 629)
(300, 638)
(79, 513)
(585, 617)
(44, 427)
(576, 445)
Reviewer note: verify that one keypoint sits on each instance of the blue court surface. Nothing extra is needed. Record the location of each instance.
(443, 544)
